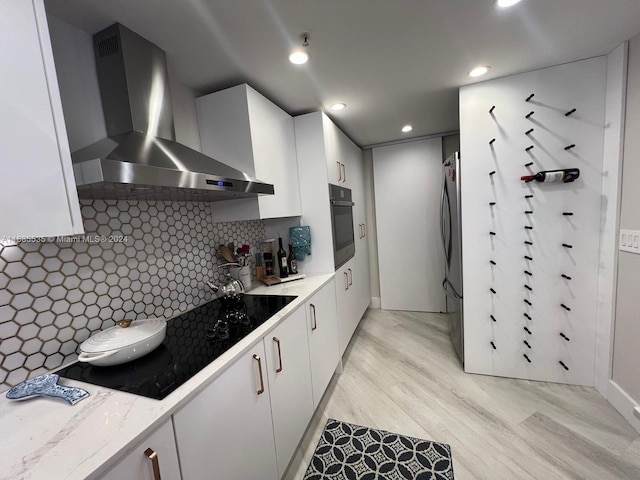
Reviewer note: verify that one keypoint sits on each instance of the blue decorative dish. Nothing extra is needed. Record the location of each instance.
(46, 386)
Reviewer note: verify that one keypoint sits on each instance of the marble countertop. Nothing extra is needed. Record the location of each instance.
(46, 438)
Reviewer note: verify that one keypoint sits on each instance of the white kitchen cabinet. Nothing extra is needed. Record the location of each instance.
(346, 303)
(243, 129)
(225, 431)
(153, 458)
(37, 186)
(290, 390)
(321, 146)
(322, 331)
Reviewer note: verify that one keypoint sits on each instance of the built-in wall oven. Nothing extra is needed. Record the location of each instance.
(342, 224)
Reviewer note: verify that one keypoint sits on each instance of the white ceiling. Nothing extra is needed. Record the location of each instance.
(391, 61)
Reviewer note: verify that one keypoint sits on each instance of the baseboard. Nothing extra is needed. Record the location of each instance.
(624, 404)
(375, 302)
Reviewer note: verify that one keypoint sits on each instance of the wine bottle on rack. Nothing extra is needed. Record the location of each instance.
(548, 176)
(282, 260)
(292, 262)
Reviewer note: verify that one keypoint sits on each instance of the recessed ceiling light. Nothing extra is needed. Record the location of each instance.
(506, 3)
(338, 106)
(407, 128)
(479, 71)
(299, 57)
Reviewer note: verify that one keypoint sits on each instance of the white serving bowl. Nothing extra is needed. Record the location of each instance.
(117, 345)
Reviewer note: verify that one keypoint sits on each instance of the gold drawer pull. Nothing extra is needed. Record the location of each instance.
(315, 320)
(257, 358)
(155, 462)
(279, 369)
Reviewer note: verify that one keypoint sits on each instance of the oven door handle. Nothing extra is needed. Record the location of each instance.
(342, 203)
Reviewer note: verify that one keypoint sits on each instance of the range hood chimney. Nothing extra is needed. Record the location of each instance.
(140, 159)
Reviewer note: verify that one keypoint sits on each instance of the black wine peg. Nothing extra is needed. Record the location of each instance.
(563, 365)
(491, 141)
(492, 172)
(528, 273)
(528, 227)
(530, 147)
(567, 214)
(529, 114)
(528, 302)
(528, 317)
(492, 109)
(491, 204)
(492, 233)
(565, 307)
(492, 291)
(493, 318)
(528, 165)
(527, 242)
(526, 343)
(529, 97)
(566, 245)
(566, 276)
(569, 147)
(493, 345)
(528, 212)
(528, 288)
(528, 196)
(527, 358)
(565, 337)
(528, 258)
(492, 262)
(529, 132)
(570, 112)
(527, 330)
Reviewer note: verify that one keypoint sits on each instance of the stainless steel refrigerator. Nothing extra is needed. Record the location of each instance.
(451, 230)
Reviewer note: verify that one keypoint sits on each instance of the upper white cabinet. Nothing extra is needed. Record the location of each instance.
(243, 129)
(37, 186)
(155, 457)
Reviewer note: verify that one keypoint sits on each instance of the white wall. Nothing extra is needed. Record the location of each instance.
(407, 182)
(557, 90)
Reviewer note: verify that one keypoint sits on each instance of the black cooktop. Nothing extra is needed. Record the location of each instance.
(194, 339)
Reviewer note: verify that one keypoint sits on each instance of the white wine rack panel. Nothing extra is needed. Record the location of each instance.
(530, 250)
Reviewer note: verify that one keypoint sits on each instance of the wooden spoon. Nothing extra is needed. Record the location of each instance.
(227, 254)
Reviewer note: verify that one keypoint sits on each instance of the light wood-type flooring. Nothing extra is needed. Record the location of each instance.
(401, 375)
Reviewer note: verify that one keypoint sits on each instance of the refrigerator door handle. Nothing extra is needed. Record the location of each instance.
(449, 289)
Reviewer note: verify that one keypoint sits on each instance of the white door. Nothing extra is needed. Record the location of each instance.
(407, 183)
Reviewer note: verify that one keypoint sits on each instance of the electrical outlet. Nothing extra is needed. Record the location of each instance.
(630, 241)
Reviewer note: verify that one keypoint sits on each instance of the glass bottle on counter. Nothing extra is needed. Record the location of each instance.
(282, 260)
(292, 262)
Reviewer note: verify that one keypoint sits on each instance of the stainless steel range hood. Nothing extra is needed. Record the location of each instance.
(140, 159)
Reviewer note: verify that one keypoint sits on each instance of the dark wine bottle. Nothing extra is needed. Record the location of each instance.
(548, 176)
(282, 260)
(292, 263)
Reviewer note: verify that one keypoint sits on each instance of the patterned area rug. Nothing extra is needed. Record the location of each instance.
(353, 452)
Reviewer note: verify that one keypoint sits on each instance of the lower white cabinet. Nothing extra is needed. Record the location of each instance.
(290, 391)
(153, 458)
(322, 330)
(225, 431)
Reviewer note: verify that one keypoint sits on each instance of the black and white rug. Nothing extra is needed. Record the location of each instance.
(353, 452)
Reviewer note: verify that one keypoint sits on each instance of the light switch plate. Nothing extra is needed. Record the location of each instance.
(636, 412)
(630, 241)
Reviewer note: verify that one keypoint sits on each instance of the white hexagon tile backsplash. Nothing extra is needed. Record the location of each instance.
(137, 259)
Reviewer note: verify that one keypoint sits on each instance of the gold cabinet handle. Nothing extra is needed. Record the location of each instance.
(350, 277)
(315, 321)
(259, 360)
(364, 230)
(346, 280)
(344, 173)
(277, 340)
(339, 171)
(155, 462)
